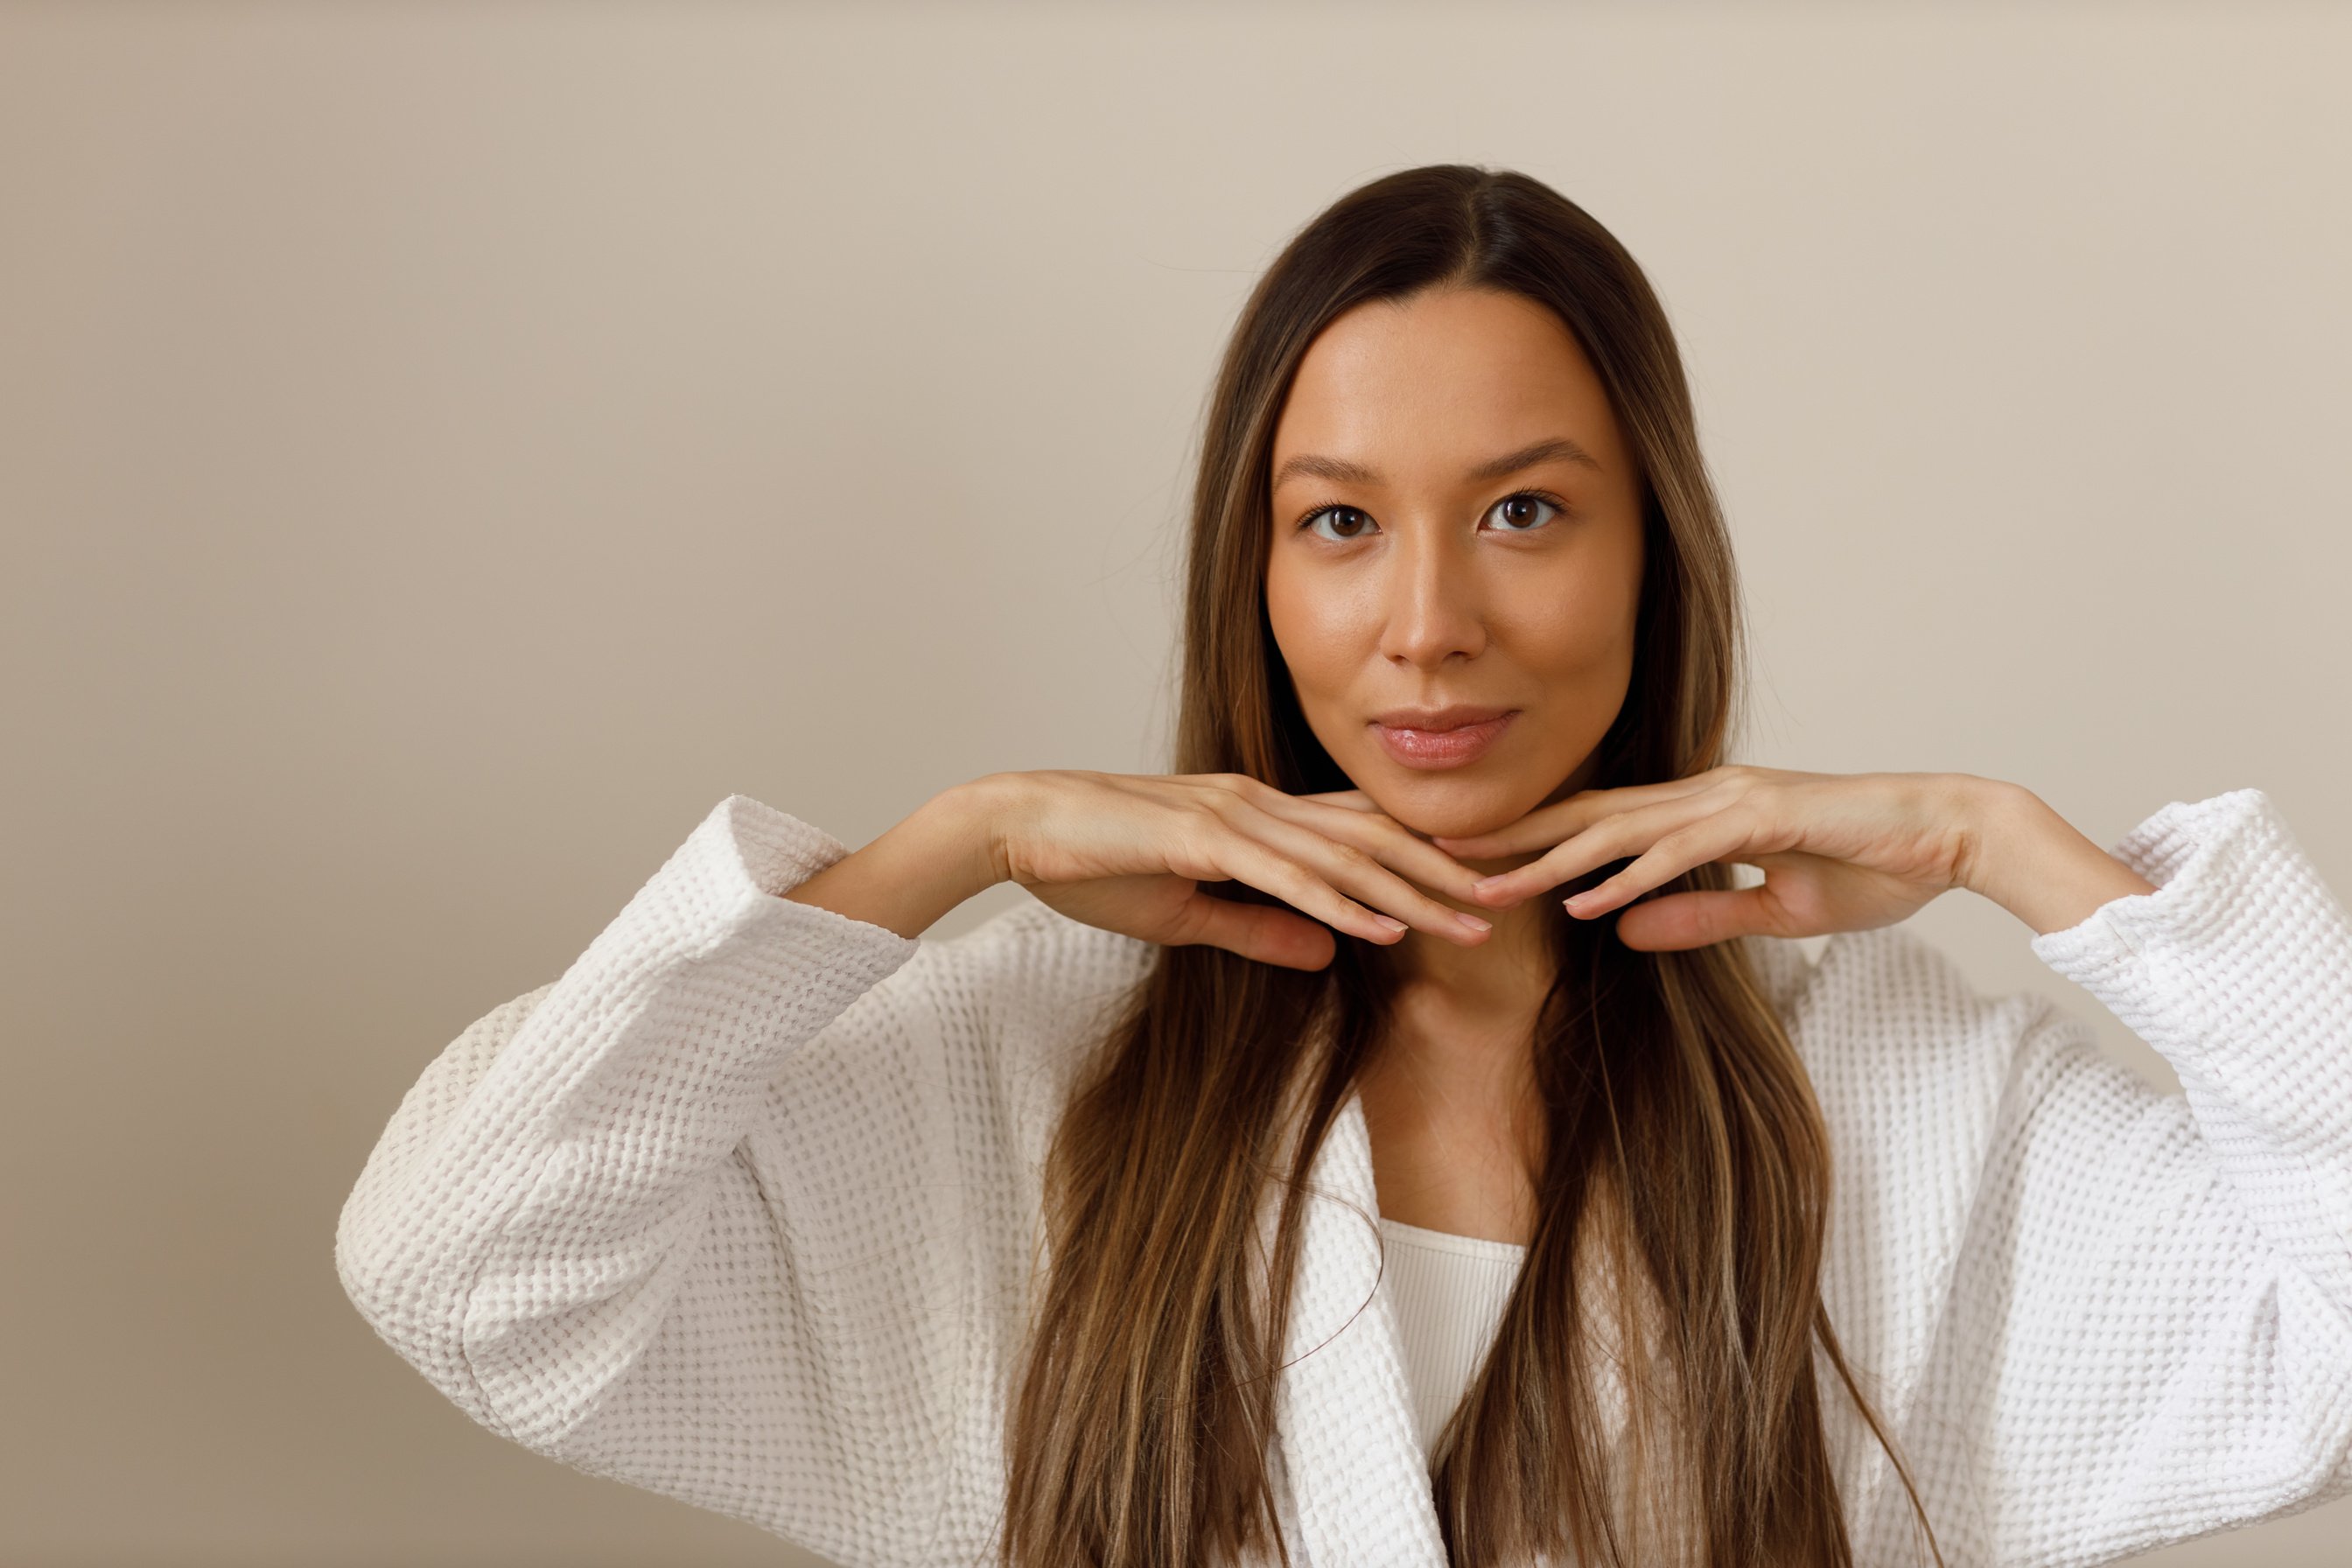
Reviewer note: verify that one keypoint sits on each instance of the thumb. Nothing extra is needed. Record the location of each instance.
(1257, 931)
(1696, 919)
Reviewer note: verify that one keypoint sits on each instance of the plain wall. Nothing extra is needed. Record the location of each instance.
(443, 450)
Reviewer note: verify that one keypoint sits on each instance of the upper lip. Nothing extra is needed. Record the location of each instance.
(1452, 718)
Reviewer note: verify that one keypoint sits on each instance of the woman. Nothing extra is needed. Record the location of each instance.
(1384, 1205)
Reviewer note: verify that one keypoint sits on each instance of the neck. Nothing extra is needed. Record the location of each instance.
(1464, 1016)
(1505, 977)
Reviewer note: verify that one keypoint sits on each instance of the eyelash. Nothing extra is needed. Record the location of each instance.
(1549, 499)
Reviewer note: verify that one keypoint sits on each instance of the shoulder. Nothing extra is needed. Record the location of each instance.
(1911, 1064)
(1024, 981)
(1032, 964)
(1032, 988)
(1908, 1057)
(1884, 990)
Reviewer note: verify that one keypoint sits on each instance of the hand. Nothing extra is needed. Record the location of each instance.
(1128, 853)
(1838, 852)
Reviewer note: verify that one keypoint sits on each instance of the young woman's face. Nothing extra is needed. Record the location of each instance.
(1456, 526)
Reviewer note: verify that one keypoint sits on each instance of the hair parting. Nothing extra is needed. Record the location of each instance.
(1651, 1395)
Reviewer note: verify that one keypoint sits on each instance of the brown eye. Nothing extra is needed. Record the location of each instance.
(1525, 512)
(1347, 522)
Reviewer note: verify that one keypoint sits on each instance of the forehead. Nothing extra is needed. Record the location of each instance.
(1445, 377)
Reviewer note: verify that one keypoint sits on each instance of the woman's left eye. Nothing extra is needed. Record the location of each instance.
(1521, 512)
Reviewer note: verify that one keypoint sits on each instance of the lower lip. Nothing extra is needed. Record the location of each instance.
(1442, 748)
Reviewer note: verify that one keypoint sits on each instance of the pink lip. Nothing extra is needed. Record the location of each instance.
(1441, 738)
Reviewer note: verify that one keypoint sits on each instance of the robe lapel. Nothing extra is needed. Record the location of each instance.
(1343, 1414)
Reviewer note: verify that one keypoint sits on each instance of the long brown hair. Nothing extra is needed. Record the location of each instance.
(1682, 1147)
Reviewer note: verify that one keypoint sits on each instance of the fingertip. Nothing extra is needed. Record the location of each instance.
(1315, 945)
(1496, 895)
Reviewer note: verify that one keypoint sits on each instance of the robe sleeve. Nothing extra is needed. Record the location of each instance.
(2149, 1330)
(689, 1216)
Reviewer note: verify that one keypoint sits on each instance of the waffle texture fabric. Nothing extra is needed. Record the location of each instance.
(739, 1209)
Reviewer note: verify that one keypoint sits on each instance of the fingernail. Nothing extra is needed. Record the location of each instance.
(1473, 922)
(1392, 923)
(1483, 883)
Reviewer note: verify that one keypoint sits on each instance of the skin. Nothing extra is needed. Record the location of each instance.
(1426, 586)
(1420, 585)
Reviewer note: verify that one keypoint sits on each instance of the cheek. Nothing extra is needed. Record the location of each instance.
(1319, 628)
(1573, 652)
(1574, 626)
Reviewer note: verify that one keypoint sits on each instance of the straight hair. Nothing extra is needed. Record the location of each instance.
(1683, 1179)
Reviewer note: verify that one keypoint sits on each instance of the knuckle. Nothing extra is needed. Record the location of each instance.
(1607, 839)
(1214, 806)
(1293, 877)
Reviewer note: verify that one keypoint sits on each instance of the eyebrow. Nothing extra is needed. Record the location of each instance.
(1553, 449)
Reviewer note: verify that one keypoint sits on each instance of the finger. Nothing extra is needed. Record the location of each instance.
(1258, 931)
(1358, 871)
(1539, 829)
(1549, 824)
(1612, 838)
(1698, 919)
(1694, 843)
(1394, 845)
(1564, 863)
(1239, 857)
(1347, 799)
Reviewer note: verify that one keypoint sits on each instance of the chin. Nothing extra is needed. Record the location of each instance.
(1453, 804)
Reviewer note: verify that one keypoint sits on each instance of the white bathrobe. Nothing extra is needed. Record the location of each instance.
(739, 1209)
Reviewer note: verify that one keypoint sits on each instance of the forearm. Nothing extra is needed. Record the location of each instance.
(2033, 863)
(925, 866)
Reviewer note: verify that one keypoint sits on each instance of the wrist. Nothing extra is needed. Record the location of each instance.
(924, 865)
(2035, 864)
(1999, 816)
(966, 823)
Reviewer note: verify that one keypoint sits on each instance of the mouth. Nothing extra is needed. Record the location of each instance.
(1440, 737)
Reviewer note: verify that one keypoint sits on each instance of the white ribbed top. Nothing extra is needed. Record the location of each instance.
(1448, 1293)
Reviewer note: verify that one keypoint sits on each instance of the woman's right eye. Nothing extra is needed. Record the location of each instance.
(1346, 520)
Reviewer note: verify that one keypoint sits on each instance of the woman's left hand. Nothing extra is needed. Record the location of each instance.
(1839, 851)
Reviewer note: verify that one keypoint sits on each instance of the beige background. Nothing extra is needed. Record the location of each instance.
(443, 451)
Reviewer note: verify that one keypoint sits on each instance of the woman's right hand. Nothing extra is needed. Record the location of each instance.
(1129, 852)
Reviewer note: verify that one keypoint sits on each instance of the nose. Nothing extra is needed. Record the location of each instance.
(1432, 600)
